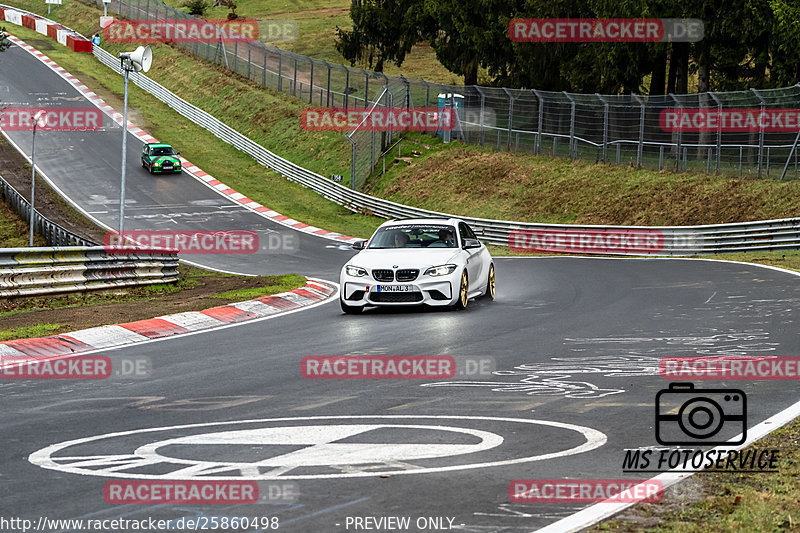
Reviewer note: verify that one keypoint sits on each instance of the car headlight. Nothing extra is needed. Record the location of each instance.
(356, 272)
(156, 164)
(441, 270)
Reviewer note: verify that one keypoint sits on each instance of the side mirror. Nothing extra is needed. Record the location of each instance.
(359, 245)
(471, 243)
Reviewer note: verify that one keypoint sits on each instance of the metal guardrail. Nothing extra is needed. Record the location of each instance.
(675, 240)
(37, 271)
(612, 128)
(53, 234)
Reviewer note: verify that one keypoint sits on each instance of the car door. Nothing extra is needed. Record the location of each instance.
(145, 156)
(473, 257)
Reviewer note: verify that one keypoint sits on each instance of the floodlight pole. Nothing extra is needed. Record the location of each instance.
(36, 118)
(126, 67)
(33, 177)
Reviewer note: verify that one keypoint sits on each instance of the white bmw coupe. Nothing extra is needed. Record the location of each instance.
(431, 261)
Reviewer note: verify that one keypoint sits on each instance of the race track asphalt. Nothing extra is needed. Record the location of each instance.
(575, 343)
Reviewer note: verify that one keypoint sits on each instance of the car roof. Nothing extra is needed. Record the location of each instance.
(404, 221)
(160, 145)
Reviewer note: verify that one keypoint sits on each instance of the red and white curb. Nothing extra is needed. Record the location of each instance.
(315, 291)
(192, 169)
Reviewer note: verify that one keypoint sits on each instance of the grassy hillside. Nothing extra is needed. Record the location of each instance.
(317, 21)
(475, 181)
(454, 178)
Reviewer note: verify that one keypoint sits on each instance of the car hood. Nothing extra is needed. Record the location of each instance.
(162, 158)
(404, 258)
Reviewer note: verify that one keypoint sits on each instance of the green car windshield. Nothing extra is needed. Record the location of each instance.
(161, 150)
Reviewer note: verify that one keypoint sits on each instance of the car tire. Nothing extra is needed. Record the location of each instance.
(463, 292)
(491, 286)
(350, 309)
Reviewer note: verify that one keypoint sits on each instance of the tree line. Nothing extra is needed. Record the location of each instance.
(747, 43)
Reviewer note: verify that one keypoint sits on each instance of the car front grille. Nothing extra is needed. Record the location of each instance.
(407, 274)
(383, 275)
(396, 297)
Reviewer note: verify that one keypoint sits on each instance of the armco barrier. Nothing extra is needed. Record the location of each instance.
(65, 36)
(673, 240)
(37, 271)
(53, 234)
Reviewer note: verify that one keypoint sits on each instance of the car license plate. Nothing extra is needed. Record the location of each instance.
(393, 288)
(168, 167)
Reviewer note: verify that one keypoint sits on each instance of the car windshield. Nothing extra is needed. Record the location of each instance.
(162, 150)
(414, 236)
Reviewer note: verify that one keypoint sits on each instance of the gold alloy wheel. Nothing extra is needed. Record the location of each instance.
(463, 291)
(491, 288)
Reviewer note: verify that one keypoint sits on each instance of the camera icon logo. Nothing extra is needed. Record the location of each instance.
(689, 416)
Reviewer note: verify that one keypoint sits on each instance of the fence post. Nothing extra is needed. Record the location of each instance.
(572, 149)
(311, 83)
(761, 133)
(352, 162)
(605, 125)
(719, 130)
(235, 56)
(280, 70)
(294, 77)
(328, 93)
(264, 71)
(248, 61)
(680, 131)
(427, 96)
(408, 90)
(366, 88)
(346, 85)
(641, 130)
(510, 117)
(788, 159)
(483, 102)
(538, 146)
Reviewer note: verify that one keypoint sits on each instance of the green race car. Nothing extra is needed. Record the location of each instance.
(160, 158)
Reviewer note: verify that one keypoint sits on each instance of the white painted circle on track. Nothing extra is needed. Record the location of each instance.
(332, 445)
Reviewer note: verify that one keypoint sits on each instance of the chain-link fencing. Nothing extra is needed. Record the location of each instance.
(616, 129)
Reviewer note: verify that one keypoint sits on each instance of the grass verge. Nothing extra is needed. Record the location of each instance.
(269, 118)
(316, 37)
(453, 178)
(726, 503)
(196, 290)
